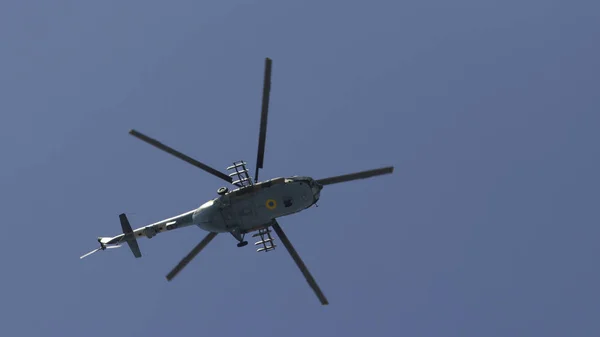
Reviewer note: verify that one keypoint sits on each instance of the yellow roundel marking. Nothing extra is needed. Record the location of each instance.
(271, 204)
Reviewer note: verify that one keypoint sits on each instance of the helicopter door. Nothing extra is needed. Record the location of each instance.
(227, 212)
(246, 214)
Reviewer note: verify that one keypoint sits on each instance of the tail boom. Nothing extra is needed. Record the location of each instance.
(130, 236)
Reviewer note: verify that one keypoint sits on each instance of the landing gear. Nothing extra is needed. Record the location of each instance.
(239, 236)
(222, 190)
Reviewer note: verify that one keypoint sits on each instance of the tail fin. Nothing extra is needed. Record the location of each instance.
(129, 237)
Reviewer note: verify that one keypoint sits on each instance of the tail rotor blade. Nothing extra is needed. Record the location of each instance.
(208, 238)
(98, 249)
(355, 176)
(90, 253)
(180, 155)
(262, 136)
(311, 281)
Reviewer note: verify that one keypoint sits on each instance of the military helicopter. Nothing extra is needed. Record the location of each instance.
(253, 206)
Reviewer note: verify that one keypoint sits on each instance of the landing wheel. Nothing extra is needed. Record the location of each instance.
(242, 244)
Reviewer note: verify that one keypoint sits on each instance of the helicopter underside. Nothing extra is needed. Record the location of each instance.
(254, 207)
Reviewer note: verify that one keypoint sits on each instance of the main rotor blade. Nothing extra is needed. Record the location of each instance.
(208, 238)
(301, 265)
(263, 117)
(180, 155)
(355, 176)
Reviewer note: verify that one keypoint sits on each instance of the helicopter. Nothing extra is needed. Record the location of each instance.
(253, 206)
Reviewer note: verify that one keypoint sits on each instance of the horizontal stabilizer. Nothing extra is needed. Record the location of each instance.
(129, 237)
(135, 248)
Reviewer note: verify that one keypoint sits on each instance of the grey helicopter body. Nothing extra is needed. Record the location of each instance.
(240, 211)
(250, 208)
(253, 206)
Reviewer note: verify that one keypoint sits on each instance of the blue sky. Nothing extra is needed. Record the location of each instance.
(487, 109)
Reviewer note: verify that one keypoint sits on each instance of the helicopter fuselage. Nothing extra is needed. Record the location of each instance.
(244, 210)
(252, 207)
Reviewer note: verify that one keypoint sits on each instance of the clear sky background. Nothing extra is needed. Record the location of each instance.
(488, 110)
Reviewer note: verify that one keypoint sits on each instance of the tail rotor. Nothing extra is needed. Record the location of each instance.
(102, 247)
(115, 242)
